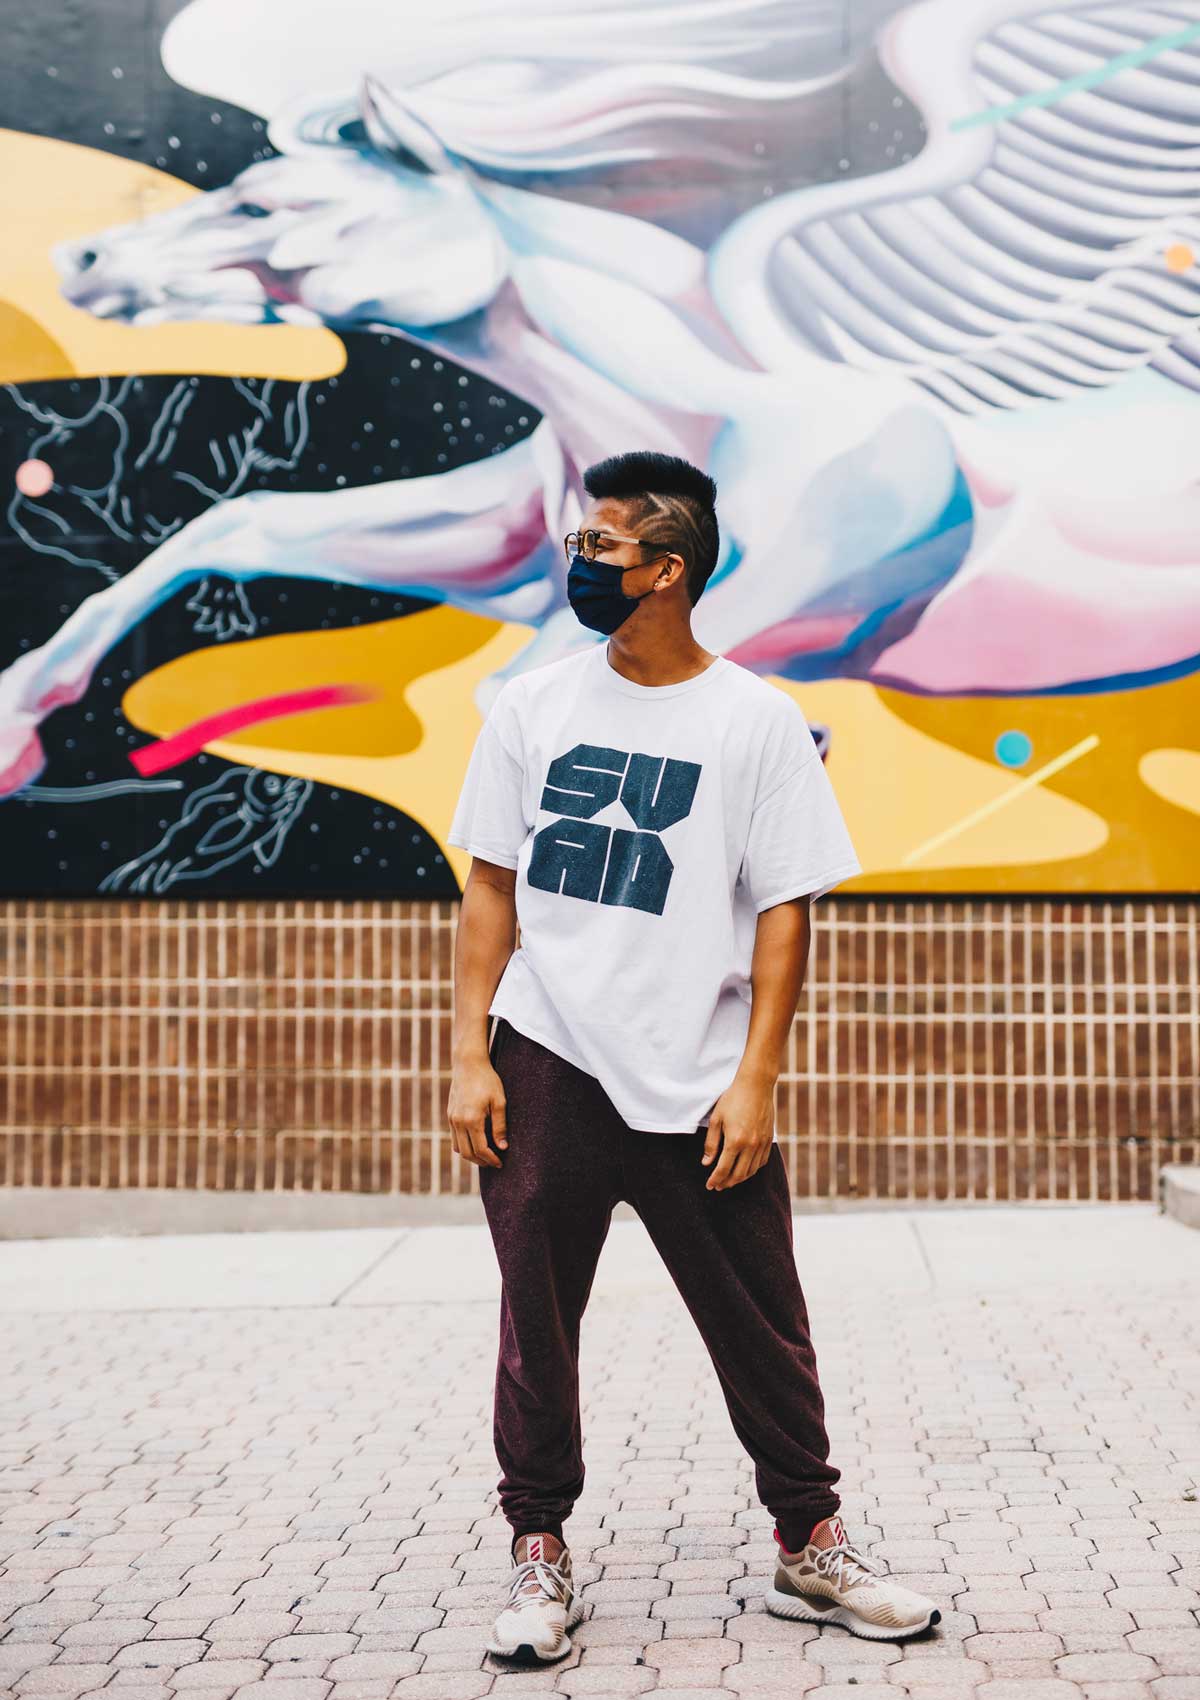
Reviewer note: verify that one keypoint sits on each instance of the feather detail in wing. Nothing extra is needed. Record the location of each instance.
(1019, 257)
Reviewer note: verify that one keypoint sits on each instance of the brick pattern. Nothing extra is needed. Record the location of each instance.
(942, 1049)
(302, 1503)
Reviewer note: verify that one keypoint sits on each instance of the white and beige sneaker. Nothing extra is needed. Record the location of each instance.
(542, 1604)
(835, 1583)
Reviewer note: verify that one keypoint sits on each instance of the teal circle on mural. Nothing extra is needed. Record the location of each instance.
(1013, 749)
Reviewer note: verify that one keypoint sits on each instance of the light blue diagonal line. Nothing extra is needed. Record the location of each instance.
(1084, 80)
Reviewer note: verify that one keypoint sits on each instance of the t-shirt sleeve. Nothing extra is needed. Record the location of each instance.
(489, 819)
(798, 841)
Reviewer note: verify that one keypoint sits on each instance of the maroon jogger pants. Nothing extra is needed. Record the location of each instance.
(570, 1158)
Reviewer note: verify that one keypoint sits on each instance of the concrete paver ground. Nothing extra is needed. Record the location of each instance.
(262, 1463)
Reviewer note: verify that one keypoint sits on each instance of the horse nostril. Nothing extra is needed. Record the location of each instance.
(87, 257)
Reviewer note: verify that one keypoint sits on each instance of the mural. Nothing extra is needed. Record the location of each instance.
(305, 348)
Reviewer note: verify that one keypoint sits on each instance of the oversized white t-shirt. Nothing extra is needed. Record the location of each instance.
(648, 826)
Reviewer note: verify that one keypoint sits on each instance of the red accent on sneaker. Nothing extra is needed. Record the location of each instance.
(535, 1546)
(829, 1532)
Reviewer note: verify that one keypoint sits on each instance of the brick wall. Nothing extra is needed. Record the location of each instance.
(943, 1049)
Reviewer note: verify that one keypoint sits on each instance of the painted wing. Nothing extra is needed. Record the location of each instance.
(1022, 255)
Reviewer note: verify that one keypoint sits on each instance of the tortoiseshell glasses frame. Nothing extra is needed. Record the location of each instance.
(586, 543)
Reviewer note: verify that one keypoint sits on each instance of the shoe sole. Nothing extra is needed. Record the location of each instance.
(789, 1605)
(527, 1654)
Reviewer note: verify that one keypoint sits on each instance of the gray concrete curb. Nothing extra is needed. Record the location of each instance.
(1179, 1192)
(79, 1212)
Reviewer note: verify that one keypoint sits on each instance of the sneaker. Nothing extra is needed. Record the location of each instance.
(835, 1583)
(542, 1604)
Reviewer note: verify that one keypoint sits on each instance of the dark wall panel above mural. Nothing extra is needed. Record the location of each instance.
(311, 319)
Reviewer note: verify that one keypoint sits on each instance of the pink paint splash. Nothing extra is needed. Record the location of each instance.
(787, 638)
(182, 746)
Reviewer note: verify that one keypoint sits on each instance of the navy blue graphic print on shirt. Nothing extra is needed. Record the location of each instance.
(577, 856)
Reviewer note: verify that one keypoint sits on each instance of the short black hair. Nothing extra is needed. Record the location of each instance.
(674, 503)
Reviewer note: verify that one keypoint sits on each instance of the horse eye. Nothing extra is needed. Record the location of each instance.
(251, 209)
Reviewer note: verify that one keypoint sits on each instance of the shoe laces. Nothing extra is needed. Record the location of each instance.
(834, 1562)
(548, 1581)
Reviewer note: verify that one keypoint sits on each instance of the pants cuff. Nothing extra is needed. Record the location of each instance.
(794, 1529)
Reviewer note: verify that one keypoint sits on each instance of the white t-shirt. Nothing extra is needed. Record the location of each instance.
(648, 825)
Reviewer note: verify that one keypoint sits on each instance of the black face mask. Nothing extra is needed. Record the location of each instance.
(594, 591)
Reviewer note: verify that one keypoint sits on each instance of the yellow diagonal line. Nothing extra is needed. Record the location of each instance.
(1006, 797)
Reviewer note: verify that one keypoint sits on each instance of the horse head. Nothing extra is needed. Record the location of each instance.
(362, 217)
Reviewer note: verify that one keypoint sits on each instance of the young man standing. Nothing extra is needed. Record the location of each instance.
(658, 820)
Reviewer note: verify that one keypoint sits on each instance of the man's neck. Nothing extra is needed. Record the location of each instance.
(663, 659)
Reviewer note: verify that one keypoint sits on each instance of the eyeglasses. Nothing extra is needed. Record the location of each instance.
(586, 543)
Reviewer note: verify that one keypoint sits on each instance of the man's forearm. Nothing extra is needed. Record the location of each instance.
(778, 966)
(486, 938)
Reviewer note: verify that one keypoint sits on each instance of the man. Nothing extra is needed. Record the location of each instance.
(658, 820)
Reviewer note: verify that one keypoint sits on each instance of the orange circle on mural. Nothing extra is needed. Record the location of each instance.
(1180, 257)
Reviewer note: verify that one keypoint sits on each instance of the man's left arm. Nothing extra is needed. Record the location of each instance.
(742, 1124)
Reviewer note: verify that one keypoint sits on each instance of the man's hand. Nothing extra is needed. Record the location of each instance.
(476, 1091)
(743, 1124)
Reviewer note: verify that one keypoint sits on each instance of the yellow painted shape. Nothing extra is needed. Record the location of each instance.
(1003, 799)
(410, 748)
(1152, 845)
(385, 657)
(27, 353)
(51, 191)
(425, 783)
(1174, 775)
(899, 787)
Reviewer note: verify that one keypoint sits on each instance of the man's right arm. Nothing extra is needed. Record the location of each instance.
(486, 938)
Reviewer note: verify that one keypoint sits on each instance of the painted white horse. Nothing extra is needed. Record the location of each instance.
(839, 358)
